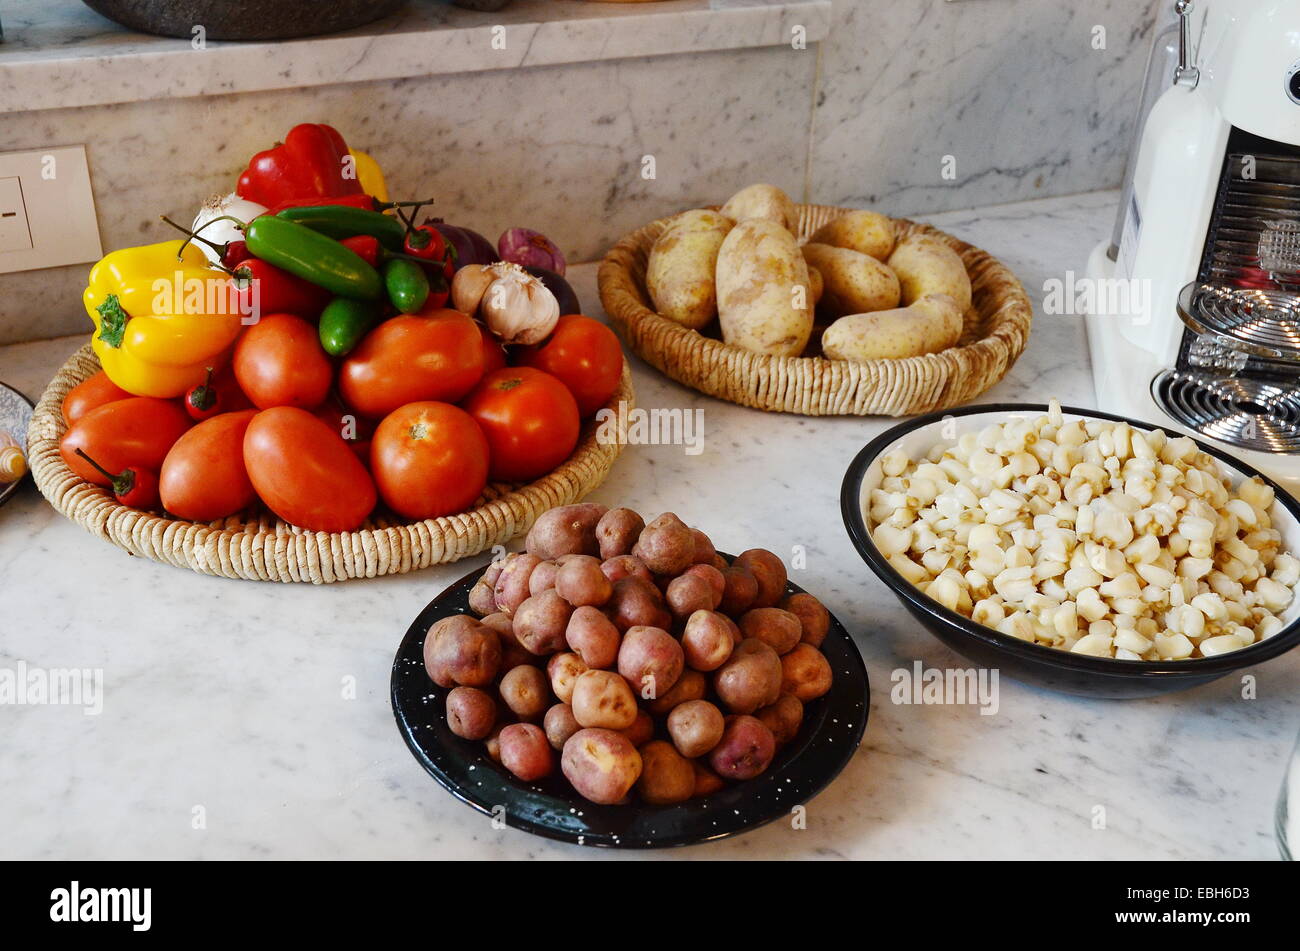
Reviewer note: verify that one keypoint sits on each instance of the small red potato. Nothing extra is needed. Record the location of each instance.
(706, 781)
(740, 592)
(601, 764)
(769, 571)
(543, 577)
(512, 652)
(805, 673)
(779, 629)
(750, 679)
(641, 731)
(526, 752)
(637, 603)
(471, 713)
(482, 597)
(651, 660)
(493, 743)
(525, 691)
(814, 619)
(461, 651)
(625, 566)
(593, 637)
(540, 622)
(666, 545)
(783, 718)
(666, 775)
(617, 531)
(745, 750)
(559, 724)
(696, 727)
(707, 640)
(567, 530)
(511, 588)
(704, 550)
(601, 698)
(715, 579)
(689, 593)
(564, 670)
(691, 685)
(582, 583)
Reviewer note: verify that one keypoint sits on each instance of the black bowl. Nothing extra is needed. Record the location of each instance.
(831, 732)
(1033, 663)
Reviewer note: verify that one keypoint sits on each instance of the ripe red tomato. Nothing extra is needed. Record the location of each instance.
(355, 429)
(432, 355)
(279, 362)
(203, 477)
(305, 473)
(494, 355)
(429, 459)
(137, 431)
(89, 394)
(584, 355)
(530, 420)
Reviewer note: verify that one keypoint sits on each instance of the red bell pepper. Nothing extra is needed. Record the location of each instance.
(364, 201)
(310, 163)
(364, 246)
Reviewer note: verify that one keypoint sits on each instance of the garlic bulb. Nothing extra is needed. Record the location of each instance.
(223, 232)
(517, 307)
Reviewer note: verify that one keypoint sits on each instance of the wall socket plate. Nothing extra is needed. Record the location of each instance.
(47, 211)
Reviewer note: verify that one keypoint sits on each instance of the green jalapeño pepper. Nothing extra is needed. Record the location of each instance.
(408, 285)
(344, 322)
(312, 256)
(342, 221)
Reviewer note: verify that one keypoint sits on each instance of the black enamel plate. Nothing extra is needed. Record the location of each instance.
(832, 729)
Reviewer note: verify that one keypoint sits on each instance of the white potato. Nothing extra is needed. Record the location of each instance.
(765, 301)
(927, 326)
(927, 265)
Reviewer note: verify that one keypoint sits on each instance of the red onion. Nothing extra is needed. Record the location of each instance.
(529, 248)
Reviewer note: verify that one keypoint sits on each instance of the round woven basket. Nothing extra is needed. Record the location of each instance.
(258, 546)
(995, 333)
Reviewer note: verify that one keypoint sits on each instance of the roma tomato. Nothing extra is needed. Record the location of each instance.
(584, 355)
(355, 430)
(279, 362)
(203, 477)
(136, 432)
(429, 459)
(89, 394)
(432, 355)
(530, 420)
(304, 471)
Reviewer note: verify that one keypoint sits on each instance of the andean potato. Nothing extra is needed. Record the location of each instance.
(805, 673)
(691, 685)
(581, 582)
(461, 651)
(637, 602)
(666, 776)
(745, 750)
(602, 765)
(651, 660)
(928, 325)
(666, 545)
(769, 571)
(750, 679)
(471, 713)
(779, 629)
(602, 698)
(540, 622)
(564, 669)
(783, 718)
(559, 724)
(567, 530)
(707, 641)
(696, 727)
(814, 619)
(526, 692)
(593, 637)
(511, 588)
(526, 752)
(617, 531)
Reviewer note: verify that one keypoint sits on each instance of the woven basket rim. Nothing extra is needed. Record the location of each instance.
(661, 342)
(255, 545)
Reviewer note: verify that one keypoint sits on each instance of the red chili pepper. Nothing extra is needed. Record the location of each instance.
(134, 486)
(203, 401)
(426, 243)
(308, 164)
(263, 288)
(366, 202)
(363, 246)
(236, 253)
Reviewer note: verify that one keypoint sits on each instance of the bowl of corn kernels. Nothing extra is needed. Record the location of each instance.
(1078, 550)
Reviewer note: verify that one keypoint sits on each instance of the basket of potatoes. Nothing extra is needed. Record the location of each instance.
(815, 309)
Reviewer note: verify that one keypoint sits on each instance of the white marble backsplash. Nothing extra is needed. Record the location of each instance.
(233, 698)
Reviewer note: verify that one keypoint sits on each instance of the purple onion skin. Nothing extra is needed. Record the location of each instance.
(558, 286)
(529, 248)
(471, 247)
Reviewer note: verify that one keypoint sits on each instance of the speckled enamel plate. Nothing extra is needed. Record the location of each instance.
(15, 415)
(832, 729)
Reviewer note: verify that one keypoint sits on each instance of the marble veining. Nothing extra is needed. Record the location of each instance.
(246, 720)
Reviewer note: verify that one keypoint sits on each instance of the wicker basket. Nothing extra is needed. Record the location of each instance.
(260, 547)
(996, 331)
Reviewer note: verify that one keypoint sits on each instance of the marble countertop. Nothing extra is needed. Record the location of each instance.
(229, 728)
(60, 53)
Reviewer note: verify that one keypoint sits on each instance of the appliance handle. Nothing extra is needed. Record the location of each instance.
(1185, 74)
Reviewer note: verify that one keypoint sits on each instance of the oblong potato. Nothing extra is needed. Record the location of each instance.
(765, 301)
(855, 283)
(926, 265)
(680, 272)
(867, 232)
(931, 324)
(763, 201)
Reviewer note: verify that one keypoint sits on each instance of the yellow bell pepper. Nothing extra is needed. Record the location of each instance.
(160, 321)
(370, 175)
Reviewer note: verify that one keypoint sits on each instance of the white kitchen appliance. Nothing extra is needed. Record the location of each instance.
(1194, 322)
